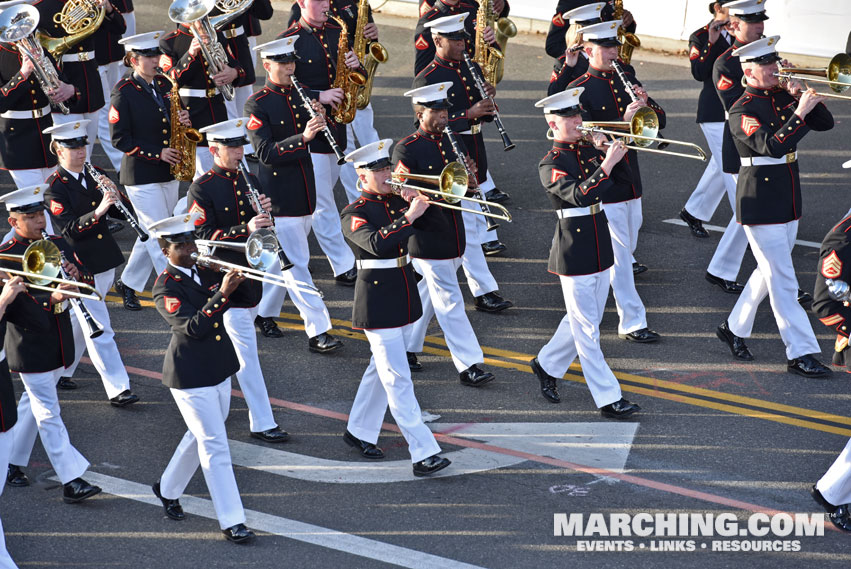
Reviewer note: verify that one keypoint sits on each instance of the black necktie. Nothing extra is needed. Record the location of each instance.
(82, 179)
(157, 97)
(194, 274)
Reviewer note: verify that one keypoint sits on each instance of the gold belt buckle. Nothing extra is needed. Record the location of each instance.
(230, 34)
(38, 113)
(595, 209)
(84, 56)
(401, 262)
(211, 93)
(476, 129)
(791, 158)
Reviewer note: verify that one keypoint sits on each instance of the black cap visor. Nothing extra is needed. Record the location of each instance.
(184, 237)
(283, 57)
(379, 164)
(752, 18)
(28, 208)
(73, 142)
(567, 111)
(238, 141)
(150, 52)
(456, 35)
(437, 105)
(606, 42)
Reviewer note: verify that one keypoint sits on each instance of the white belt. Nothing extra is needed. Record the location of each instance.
(230, 34)
(579, 211)
(198, 93)
(36, 114)
(383, 263)
(82, 56)
(769, 160)
(726, 116)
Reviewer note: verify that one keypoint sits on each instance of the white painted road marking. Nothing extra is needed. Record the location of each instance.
(293, 529)
(600, 445)
(720, 229)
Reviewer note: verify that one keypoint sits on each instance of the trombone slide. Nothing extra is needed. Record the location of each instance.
(253, 274)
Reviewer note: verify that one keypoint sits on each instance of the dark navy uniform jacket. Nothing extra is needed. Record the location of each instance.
(346, 10)
(702, 56)
(727, 77)
(563, 75)
(8, 408)
(276, 121)
(834, 263)
(221, 197)
(556, 44)
(237, 45)
(200, 353)
(72, 206)
(377, 228)
(763, 123)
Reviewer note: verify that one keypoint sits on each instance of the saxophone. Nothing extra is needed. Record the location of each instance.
(486, 56)
(371, 54)
(629, 41)
(183, 139)
(346, 79)
(504, 30)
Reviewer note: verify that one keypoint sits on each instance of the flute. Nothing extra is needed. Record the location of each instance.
(341, 158)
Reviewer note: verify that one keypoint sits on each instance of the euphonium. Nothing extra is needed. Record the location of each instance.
(79, 19)
(230, 10)
(629, 41)
(486, 56)
(183, 139)
(349, 80)
(369, 53)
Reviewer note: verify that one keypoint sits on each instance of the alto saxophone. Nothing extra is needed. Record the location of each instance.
(183, 139)
(629, 41)
(369, 53)
(346, 79)
(485, 55)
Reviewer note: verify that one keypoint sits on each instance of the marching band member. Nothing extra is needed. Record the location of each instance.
(438, 244)
(556, 43)
(79, 64)
(606, 98)
(379, 226)
(316, 68)
(197, 367)
(109, 54)
(79, 209)
(183, 60)
(768, 202)
(282, 137)
(573, 63)
(39, 346)
(140, 123)
(220, 197)
(582, 259)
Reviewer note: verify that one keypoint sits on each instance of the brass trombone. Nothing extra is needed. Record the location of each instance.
(452, 182)
(41, 264)
(837, 75)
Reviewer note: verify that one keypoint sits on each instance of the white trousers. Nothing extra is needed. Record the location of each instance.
(485, 187)
(102, 350)
(110, 74)
(326, 217)
(31, 177)
(359, 132)
(473, 261)
(239, 323)
(624, 230)
(727, 259)
(578, 333)
(205, 444)
(774, 276)
(152, 202)
(130, 20)
(91, 129)
(235, 108)
(713, 183)
(38, 415)
(440, 295)
(6, 442)
(203, 161)
(292, 234)
(835, 485)
(387, 381)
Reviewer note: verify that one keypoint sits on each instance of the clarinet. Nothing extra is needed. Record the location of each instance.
(492, 223)
(630, 88)
(105, 185)
(254, 196)
(341, 158)
(480, 85)
(92, 328)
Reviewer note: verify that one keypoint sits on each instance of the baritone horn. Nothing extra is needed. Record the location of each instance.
(452, 183)
(837, 75)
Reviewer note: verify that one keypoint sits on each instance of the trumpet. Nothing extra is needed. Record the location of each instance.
(40, 266)
(105, 185)
(837, 75)
(452, 182)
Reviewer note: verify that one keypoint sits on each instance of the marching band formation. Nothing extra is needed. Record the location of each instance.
(227, 254)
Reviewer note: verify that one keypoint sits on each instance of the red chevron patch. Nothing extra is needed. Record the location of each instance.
(56, 208)
(401, 168)
(171, 304)
(113, 115)
(558, 21)
(694, 53)
(421, 43)
(750, 124)
(724, 83)
(831, 267)
(202, 215)
(554, 76)
(254, 123)
(165, 63)
(357, 222)
(557, 175)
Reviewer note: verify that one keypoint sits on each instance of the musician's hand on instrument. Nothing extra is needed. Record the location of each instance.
(809, 100)
(632, 108)
(107, 201)
(71, 270)
(641, 93)
(418, 206)
(265, 202)
(105, 4)
(370, 31)
(571, 56)
(490, 90)
(183, 117)
(488, 35)
(408, 194)
(194, 47)
(232, 280)
(616, 151)
(61, 93)
(170, 155)
(599, 140)
(331, 97)
(352, 61)
(259, 222)
(27, 67)
(483, 108)
(11, 289)
(57, 296)
(226, 76)
(313, 127)
(498, 6)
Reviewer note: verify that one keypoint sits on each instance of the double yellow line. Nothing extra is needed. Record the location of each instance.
(648, 386)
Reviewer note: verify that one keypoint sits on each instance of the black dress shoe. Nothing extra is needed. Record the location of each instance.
(268, 327)
(474, 377)
(66, 383)
(273, 435)
(114, 226)
(78, 490)
(839, 515)
(348, 278)
(430, 465)
(413, 362)
(736, 344)
(128, 296)
(324, 343)
(638, 268)
(805, 299)
(367, 450)
(642, 336)
(492, 248)
(807, 366)
(252, 157)
(15, 477)
(492, 302)
(497, 196)
(549, 384)
(124, 399)
(694, 224)
(730, 287)
(619, 409)
(238, 534)
(172, 508)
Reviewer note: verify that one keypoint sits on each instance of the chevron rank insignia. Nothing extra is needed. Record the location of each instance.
(254, 123)
(113, 115)
(421, 43)
(832, 320)
(831, 267)
(357, 222)
(694, 53)
(557, 175)
(558, 21)
(724, 83)
(750, 124)
(202, 215)
(171, 304)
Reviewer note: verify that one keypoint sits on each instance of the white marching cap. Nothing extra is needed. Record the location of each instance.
(449, 25)
(229, 133)
(373, 156)
(763, 50)
(26, 200)
(143, 44)
(430, 93)
(585, 13)
(176, 225)
(565, 103)
(604, 33)
(746, 7)
(278, 50)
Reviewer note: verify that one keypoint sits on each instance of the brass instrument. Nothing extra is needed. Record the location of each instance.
(629, 41)
(230, 10)
(503, 31)
(40, 265)
(16, 27)
(837, 75)
(91, 326)
(183, 139)
(105, 185)
(254, 198)
(452, 182)
(349, 80)
(188, 12)
(79, 19)
(370, 54)
(487, 56)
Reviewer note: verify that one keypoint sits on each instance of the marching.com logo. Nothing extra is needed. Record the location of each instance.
(756, 532)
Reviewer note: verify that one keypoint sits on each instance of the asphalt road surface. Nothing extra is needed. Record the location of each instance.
(716, 436)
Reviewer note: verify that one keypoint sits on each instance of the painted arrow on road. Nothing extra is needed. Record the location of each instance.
(600, 445)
